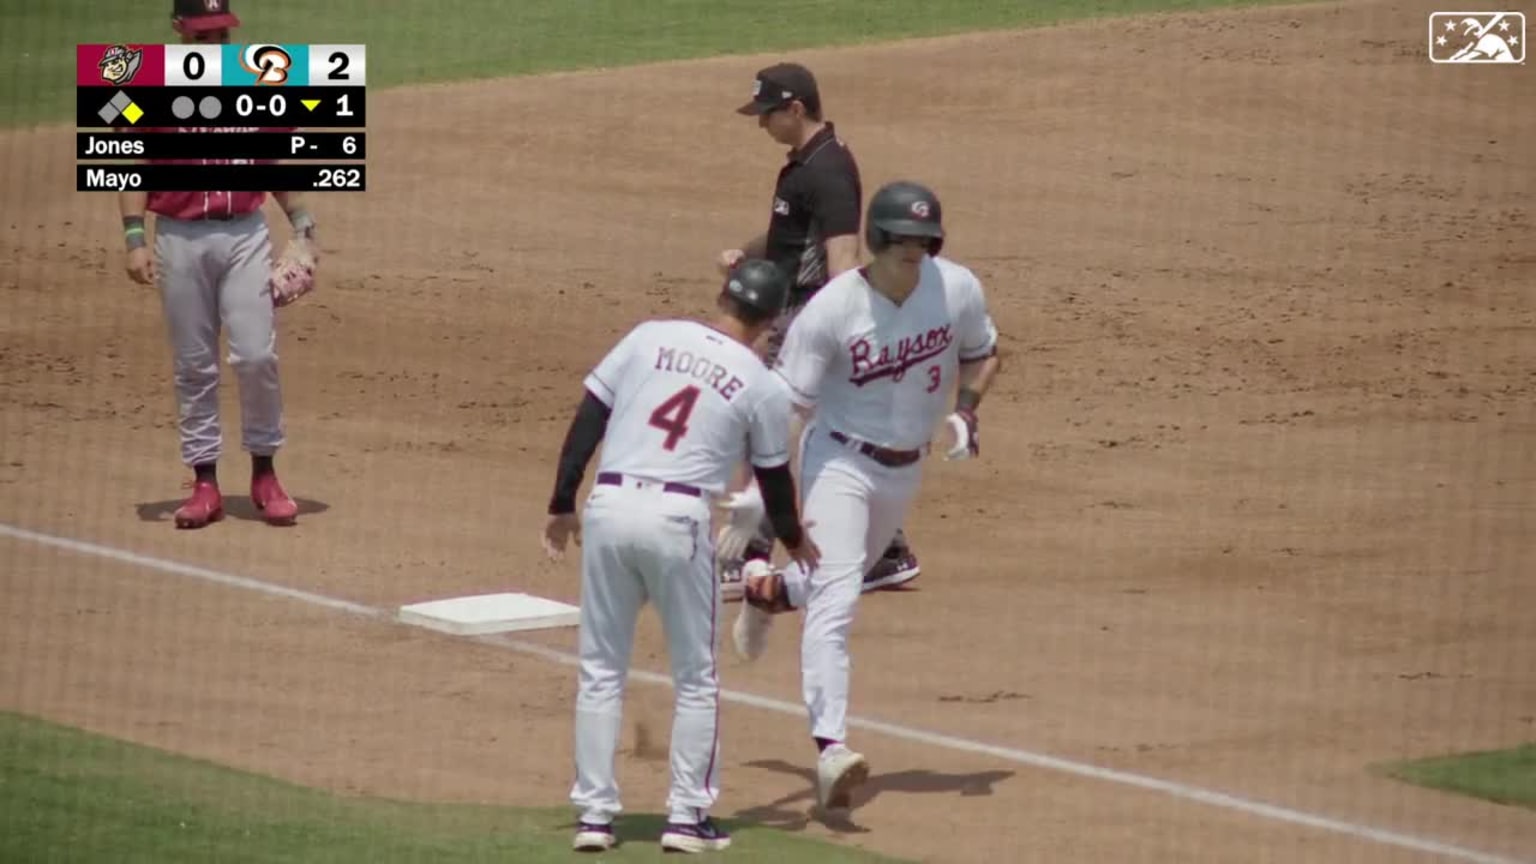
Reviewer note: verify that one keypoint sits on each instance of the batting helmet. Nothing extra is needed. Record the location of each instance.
(904, 209)
(758, 285)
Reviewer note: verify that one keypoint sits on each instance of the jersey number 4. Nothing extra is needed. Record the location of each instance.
(672, 415)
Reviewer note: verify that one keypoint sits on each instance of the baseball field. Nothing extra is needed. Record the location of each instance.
(1252, 536)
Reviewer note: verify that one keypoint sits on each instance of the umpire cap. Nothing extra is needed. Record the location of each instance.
(758, 285)
(780, 84)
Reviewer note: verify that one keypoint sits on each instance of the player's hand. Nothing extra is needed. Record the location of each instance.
(965, 435)
(558, 531)
(807, 554)
(745, 510)
(141, 266)
(728, 260)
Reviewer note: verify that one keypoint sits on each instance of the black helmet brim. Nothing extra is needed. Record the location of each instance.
(910, 228)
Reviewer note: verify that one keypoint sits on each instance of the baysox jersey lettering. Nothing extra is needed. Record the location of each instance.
(688, 404)
(878, 375)
(881, 373)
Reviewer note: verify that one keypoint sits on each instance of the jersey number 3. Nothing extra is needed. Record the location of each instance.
(935, 378)
(672, 415)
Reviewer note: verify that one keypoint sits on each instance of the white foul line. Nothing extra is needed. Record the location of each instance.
(1009, 754)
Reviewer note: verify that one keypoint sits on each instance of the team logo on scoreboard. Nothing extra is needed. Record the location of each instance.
(118, 64)
(269, 63)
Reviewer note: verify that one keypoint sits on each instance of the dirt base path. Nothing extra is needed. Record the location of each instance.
(1255, 508)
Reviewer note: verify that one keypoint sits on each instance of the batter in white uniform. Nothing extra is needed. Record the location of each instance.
(876, 353)
(681, 404)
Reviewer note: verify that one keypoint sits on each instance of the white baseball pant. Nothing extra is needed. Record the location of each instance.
(641, 543)
(853, 506)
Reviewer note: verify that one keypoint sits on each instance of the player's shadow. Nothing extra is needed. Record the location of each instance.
(235, 507)
(796, 810)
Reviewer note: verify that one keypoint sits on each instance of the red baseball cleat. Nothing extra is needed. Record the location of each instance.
(275, 505)
(206, 505)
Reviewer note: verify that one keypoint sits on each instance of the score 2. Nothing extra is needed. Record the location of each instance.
(338, 66)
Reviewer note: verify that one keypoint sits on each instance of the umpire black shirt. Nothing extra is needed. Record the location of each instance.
(818, 195)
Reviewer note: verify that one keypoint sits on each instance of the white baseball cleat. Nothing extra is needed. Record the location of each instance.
(592, 837)
(750, 632)
(839, 771)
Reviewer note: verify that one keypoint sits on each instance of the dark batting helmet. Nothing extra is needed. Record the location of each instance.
(904, 209)
(758, 285)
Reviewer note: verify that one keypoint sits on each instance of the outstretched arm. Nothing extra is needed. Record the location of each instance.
(581, 439)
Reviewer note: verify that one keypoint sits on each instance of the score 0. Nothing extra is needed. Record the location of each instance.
(194, 65)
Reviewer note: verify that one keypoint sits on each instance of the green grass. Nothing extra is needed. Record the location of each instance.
(417, 41)
(1503, 776)
(70, 795)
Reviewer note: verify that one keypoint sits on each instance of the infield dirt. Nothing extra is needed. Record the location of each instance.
(1255, 507)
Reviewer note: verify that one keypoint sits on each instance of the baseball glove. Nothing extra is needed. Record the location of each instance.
(293, 273)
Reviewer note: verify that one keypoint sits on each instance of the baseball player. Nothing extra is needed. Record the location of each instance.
(813, 233)
(681, 404)
(876, 353)
(212, 264)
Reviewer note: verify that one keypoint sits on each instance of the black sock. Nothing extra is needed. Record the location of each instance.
(823, 743)
(261, 465)
(208, 471)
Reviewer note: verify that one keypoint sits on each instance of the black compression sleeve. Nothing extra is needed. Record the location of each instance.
(581, 440)
(778, 489)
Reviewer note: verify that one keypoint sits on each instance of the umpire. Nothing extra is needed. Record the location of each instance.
(813, 235)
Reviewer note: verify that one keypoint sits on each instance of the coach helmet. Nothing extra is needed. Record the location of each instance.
(904, 209)
(758, 285)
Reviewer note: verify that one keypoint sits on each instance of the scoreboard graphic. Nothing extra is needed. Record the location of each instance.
(141, 111)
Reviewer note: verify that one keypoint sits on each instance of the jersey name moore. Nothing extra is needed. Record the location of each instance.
(700, 368)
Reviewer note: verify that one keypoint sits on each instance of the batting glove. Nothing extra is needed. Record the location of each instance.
(745, 510)
(966, 433)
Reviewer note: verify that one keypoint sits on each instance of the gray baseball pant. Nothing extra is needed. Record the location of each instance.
(214, 273)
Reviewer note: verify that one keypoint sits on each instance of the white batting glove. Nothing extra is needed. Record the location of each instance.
(746, 510)
(965, 436)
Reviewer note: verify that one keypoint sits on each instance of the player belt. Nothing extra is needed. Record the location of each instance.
(613, 478)
(883, 455)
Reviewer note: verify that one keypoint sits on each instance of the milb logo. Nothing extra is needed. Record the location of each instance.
(1477, 37)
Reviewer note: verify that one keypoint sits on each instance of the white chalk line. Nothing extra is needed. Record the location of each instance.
(935, 739)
